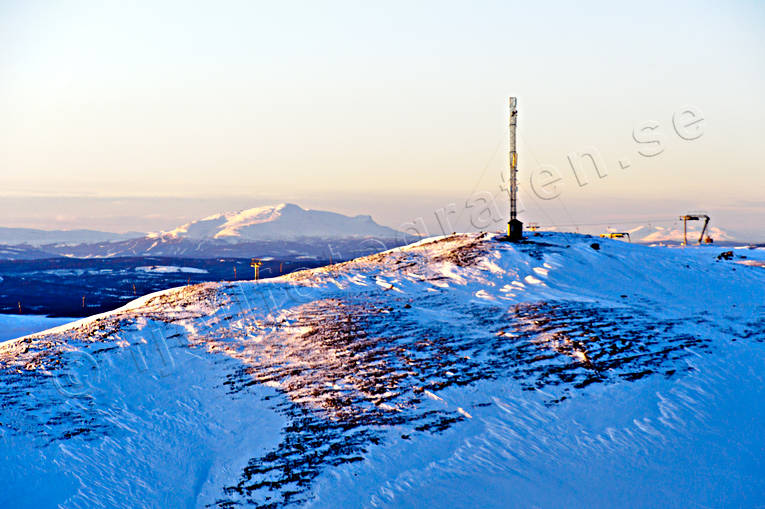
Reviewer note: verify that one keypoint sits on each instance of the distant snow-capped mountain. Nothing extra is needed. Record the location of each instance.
(285, 221)
(284, 230)
(674, 233)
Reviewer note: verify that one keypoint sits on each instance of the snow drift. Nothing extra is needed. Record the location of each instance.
(458, 371)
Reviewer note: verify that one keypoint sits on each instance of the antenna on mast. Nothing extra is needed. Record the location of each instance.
(514, 226)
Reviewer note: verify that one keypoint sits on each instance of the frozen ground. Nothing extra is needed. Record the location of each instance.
(170, 268)
(456, 372)
(14, 326)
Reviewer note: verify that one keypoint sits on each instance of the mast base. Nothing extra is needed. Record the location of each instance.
(514, 230)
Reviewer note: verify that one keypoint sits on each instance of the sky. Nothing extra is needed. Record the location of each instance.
(137, 116)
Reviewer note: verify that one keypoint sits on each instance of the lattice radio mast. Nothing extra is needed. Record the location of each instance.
(514, 226)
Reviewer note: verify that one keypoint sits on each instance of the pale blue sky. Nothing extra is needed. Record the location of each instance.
(393, 110)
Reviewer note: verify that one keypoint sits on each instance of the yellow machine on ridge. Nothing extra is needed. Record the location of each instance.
(617, 235)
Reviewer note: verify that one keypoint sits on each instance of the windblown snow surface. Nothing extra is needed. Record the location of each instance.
(457, 372)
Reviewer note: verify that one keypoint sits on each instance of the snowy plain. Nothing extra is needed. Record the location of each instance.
(456, 372)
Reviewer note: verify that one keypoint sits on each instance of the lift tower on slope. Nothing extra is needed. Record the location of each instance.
(695, 217)
(514, 226)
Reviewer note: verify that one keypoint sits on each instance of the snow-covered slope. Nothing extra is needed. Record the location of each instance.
(455, 372)
(284, 221)
(13, 326)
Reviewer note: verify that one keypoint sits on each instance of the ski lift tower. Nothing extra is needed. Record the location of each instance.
(255, 264)
(514, 226)
(694, 217)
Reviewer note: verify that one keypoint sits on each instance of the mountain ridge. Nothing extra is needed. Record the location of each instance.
(457, 371)
(275, 230)
(278, 222)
